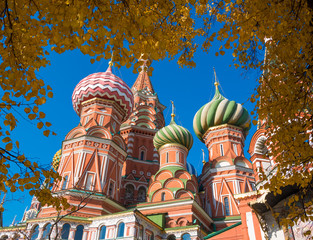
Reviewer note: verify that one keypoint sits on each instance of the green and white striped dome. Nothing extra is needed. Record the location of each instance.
(220, 111)
(173, 133)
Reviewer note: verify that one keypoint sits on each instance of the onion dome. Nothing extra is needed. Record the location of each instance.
(103, 85)
(220, 111)
(191, 169)
(173, 133)
(56, 160)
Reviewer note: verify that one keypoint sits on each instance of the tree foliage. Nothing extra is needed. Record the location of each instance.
(30, 29)
(284, 95)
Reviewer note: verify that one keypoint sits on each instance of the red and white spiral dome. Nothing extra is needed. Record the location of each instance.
(103, 85)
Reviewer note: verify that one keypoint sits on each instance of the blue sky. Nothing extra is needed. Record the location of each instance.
(190, 89)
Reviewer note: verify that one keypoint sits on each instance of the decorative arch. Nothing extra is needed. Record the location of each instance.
(120, 229)
(102, 232)
(173, 183)
(129, 191)
(182, 193)
(156, 197)
(171, 237)
(46, 231)
(182, 222)
(98, 131)
(65, 231)
(191, 186)
(79, 232)
(242, 162)
(119, 141)
(34, 232)
(182, 174)
(141, 195)
(76, 132)
(222, 163)
(260, 146)
(163, 174)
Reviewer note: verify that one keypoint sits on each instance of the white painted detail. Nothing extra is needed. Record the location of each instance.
(250, 225)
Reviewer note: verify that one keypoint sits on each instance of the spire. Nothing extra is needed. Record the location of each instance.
(111, 63)
(203, 160)
(143, 81)
(217, 94)
(173, 114)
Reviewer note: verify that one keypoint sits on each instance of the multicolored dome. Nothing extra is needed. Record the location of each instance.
(173, 133)
(103, 85)
(56, 160)
(220, 111)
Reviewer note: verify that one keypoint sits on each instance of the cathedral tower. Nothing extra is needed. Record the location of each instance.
(223, 125)
(93, 153)
(138, 131)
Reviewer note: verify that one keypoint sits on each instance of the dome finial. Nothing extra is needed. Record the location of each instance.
(215, 78)
(203, 160)
(111, 61)
(173, 109)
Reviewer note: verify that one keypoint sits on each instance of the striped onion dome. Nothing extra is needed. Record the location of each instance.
(220, 111)
(56, 160)
(173, 133)
(191, 169)
(103, 85)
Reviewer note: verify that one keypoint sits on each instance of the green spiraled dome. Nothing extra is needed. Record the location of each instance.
(220, 111)
(173, 133)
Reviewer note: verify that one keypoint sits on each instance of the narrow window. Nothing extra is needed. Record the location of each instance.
(35, 233)
(64, 182)
(163, 196)
(167, 157)
(79, 232)
(226, 203)
(111, 189)
(89, 182)
(101, 120)
(120, 230)
(235, 149)
(65, 231)
(46, 231)
(222, 150)
(142, 155)
(102, 233)
(177, 157)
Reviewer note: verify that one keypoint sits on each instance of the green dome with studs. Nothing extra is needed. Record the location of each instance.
(220, 111)
(173, 133)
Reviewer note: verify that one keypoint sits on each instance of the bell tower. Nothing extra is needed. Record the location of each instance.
(138, 131)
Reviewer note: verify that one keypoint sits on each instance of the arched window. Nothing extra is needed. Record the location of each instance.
(177, 157)
(120, 230)
(171, 237)
(141, 194)
(79, 232)
(129, 192)
(35, 233)
(163, 196)
(65, 231)
(142, 155)
(226, 203)
(186, 236)
(102, 233)
(46, 231)
(64, 182)
(167, 157)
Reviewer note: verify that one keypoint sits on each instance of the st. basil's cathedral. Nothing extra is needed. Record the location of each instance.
(130, 171)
